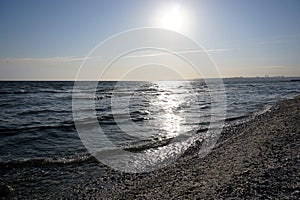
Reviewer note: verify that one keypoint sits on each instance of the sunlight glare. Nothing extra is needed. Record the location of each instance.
(172, 18)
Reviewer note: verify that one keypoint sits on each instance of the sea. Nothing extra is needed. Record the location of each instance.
(40, 144)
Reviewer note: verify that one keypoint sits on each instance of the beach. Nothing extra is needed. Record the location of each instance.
(258, 159)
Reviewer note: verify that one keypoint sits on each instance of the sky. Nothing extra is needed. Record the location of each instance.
(49, 40)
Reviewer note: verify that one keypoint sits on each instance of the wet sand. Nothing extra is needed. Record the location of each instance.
(259, 159)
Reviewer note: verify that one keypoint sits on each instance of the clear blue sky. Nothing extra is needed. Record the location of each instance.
(257, 37)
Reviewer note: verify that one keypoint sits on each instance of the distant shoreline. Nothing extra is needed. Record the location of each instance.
(275, 78)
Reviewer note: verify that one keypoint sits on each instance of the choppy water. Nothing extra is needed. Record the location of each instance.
(36, 121)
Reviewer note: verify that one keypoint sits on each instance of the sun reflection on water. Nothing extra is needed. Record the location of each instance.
(169, 122)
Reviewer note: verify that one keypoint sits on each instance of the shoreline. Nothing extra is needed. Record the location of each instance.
(256, 159)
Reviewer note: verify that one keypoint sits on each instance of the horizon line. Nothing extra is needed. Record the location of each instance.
(133, 80)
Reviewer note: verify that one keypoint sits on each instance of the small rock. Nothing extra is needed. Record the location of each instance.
(5, 190)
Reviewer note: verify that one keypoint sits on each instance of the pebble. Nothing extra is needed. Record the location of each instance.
(5, 190)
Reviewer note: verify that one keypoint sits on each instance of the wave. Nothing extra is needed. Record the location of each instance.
(104, 96)
(34, 112)
(66, 126)
(230, 119)
(34, 92)
(77, 159)
(264, 109)
(147, 144)
(134, 147)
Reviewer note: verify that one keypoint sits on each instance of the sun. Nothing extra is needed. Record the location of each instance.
(172, 18)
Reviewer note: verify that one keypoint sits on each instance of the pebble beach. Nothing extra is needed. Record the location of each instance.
(258, 159)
